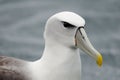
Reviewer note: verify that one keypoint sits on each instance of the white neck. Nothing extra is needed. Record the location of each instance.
(58, 53)
(61, 61)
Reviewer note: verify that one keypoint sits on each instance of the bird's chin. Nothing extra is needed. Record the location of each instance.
(73, 47)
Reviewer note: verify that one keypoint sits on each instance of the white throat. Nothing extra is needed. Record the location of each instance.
(61, 61)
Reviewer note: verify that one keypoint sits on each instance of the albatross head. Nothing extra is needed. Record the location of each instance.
(67, 28)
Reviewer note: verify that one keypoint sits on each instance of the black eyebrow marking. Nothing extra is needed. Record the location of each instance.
(68, 25)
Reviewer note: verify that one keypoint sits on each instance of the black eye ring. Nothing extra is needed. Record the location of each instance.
(68, 25)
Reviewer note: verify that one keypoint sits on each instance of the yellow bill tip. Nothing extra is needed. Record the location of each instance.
(99, 60)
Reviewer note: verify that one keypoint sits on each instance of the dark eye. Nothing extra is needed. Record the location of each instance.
(68, 25)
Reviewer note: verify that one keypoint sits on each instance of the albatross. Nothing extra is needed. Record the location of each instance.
(64, 35)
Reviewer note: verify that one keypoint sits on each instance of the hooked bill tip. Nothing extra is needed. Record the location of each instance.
(99, 60)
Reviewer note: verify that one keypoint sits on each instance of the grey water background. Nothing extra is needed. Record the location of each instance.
(22, 26)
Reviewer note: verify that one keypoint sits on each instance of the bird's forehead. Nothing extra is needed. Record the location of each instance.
(71, 17)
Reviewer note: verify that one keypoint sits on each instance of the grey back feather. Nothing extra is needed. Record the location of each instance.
(12, 69)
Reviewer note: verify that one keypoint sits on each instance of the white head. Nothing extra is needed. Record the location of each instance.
(67, 28)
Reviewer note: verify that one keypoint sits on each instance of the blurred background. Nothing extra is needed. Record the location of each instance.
(22, 25)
